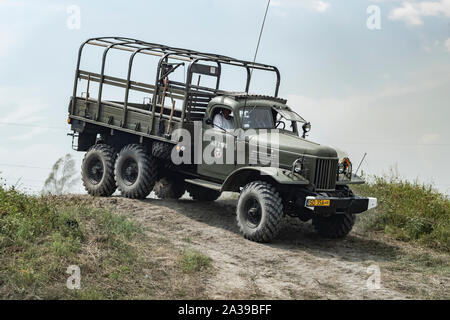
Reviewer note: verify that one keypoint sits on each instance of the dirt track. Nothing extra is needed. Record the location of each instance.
(297, 265)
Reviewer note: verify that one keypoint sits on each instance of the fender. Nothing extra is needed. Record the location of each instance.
(344, 180)
(239, 177)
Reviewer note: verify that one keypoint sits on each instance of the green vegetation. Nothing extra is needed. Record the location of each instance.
(194, 261)
(41, 236)
(408, 211)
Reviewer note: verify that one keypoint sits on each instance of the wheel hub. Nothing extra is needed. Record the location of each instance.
(130, 172)
(95, 171)
(253, 212)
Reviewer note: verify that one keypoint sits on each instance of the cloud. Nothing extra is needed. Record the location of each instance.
(408, 13)
(429, 138)
(14, 30)
(26, 110)
(320, 6)
(23, 114)
(447, 45)
(412, 13)
(30, 133)
(12, 4)
(9, 40)
(370, 111)
(313, 5)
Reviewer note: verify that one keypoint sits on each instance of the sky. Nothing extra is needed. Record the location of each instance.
(371, 76)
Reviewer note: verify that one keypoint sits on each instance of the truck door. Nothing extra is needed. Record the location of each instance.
(219, 147)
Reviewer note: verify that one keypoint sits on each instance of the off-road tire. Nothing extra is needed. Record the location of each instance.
(271, 211)
(202, 194)
(169, 188)
(335, 226)
(161, 150)
(138, 182)
(99, 183)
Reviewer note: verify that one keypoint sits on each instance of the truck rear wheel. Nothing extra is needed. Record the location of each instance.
(169, 188)
(334, 227)
(162, 150)
(259, 211)
(202, 194)
(97, 170)
(135, 171)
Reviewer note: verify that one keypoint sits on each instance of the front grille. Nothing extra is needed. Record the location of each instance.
(326, 174)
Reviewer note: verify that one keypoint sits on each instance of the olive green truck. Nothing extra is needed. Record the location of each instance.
(171, 141)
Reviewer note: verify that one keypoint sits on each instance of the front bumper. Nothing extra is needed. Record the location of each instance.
(352, 205)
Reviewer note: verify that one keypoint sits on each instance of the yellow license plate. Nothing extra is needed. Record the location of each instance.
(318, 203)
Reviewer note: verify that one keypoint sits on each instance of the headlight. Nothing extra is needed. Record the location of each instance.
(297, 166)
(307, 127)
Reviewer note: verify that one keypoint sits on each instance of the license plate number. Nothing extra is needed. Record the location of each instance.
(318, 203)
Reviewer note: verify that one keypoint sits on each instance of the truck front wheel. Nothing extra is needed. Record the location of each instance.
(97, 170)
(259, 211)
(334, 227)
(136, 172)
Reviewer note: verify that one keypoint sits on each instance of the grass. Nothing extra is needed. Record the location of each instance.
(194, 261)
(41, 236)
(407, 211)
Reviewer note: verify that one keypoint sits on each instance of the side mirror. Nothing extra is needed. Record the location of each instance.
(208, 121)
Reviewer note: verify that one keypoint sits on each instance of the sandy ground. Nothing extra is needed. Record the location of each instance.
(297, 265)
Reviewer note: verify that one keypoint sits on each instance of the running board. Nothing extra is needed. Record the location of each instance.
(205, 184)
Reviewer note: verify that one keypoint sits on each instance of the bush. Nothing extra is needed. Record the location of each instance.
(409, 211)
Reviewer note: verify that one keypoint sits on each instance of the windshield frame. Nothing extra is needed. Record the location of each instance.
(290, 115)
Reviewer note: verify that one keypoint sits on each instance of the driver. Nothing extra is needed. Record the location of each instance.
(224, 120)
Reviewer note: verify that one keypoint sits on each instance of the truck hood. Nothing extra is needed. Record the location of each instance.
(293, 144)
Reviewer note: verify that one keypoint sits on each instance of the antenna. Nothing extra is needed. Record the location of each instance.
(256, 53)
(365, 154)
(260, 33)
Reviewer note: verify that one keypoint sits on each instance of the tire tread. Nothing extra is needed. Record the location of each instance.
(147, 178)
(274, 210)
(108, 185)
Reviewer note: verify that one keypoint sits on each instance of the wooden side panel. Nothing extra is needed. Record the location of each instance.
(138, 118)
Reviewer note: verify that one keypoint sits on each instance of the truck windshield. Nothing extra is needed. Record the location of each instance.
(290, 115)
(257, 118)
(269, 118)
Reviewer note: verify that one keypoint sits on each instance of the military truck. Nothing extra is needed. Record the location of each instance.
(150, 145)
